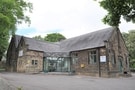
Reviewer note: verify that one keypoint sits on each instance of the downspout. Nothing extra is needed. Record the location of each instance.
(70, 59)
(43, 64)
(99, 67)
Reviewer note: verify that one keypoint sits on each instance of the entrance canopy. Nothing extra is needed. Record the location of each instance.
(56, 54)
(56, 64)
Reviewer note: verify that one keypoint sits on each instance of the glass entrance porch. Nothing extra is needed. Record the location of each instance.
(56, 64)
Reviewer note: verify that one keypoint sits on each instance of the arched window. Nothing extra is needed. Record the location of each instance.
(126, 60)
(113, 60)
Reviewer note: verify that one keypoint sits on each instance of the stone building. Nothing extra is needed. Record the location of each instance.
(12, 54)
(101, 53)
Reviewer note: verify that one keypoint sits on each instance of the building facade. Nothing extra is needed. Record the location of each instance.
(101, 53)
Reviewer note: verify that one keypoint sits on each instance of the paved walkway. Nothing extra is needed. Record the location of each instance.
(65, 82)
(5, 85)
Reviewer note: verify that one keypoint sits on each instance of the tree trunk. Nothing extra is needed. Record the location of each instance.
(1, 54)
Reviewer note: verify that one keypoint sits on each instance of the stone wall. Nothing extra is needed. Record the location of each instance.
(83, 66)
(24, 62)
(12, 54)
(117, 44)
(113, 49)
(34, 55)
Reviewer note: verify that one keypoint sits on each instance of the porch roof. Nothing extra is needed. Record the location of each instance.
(56, 54)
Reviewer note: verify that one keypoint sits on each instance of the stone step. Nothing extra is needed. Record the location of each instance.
(58, 73)
(124, 75)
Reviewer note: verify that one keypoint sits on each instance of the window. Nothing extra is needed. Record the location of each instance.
(74, 58)
(92, 57)
(34, 62)
(21, 53)
(126, 59)
(113, 57)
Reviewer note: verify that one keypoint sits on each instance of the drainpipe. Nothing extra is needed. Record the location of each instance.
(70, 60)
(99, 67)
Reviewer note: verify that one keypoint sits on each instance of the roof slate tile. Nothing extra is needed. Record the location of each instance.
(86, 41)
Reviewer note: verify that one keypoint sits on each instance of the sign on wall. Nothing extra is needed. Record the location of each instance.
(21, 53)
(102, 58)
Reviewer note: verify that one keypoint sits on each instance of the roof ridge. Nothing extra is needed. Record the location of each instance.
(40, 40)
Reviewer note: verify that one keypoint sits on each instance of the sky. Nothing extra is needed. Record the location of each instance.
(69, 17)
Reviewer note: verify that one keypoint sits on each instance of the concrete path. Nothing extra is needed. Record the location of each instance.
(5, 85)
(65, 82)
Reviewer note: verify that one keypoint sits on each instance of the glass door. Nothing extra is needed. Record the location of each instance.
(53, 64)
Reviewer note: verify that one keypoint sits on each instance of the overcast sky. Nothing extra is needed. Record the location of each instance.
(68, 17)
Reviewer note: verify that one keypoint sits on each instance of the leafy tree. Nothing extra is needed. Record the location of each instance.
(39, 38)
(117, 9)
(3, 42)
(54, 37)
(12, 13)
(130, 43)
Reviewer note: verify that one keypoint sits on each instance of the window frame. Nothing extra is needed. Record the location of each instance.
(94, 55)
(113, 56)
(34, 62)
(126, 60)
(74, 58)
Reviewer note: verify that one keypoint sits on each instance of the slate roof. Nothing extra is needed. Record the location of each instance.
(17, 40)
(86, 41)
(38, 45)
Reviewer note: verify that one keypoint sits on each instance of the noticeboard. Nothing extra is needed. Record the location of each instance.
(102, 58)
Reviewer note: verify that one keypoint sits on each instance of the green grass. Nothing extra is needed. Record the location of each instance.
(19, 88)
(2, 69)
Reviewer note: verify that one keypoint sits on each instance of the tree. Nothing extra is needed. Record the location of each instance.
(39, 38)
(3, 42)
(12, 13)
(54, 37)
(130, 43)
(117, 9)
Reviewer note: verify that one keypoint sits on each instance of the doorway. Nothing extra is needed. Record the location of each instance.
(120, 59)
